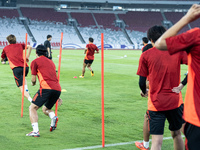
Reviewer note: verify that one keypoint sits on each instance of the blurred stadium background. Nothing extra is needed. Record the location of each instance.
(124, 22)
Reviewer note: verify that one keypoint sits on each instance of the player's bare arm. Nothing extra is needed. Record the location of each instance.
(2, 59)
(192, 15)
(48, 49)
(85, 51)
(29, 48)
(33, 80)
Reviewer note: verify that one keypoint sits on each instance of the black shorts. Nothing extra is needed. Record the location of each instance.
(88, 61)
(192, 134)
(47, 97)
(18, 74)
(157, 120)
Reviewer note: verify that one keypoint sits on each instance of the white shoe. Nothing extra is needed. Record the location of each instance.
(34, 134)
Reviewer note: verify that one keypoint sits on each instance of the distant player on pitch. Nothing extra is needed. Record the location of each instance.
(14, 53)
(48, 93)
(89, 57)
(47, 45)
(146, 46)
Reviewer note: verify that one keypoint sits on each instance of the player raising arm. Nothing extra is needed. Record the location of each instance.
(48, 93)
(14, 53)
(190, 42)
(89, 57)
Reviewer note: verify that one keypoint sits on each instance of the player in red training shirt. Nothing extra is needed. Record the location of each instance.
(48, 93)
(89, 57)
(14, 53)
(163, 103)
(189, 42)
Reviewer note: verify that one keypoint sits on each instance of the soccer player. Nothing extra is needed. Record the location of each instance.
(47, 45)
(89, 57)
(146, 45)
(163, 71)
(145, 144)
(48, 93)
(189, 42)
(14, 53)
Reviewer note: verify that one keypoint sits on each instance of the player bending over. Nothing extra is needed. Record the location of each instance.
(89, 57)
(14, 53)
(163, 103)
(189, 42)
(48, 93)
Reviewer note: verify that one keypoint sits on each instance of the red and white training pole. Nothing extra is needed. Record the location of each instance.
(59, 64)
(102, 88)
(24, 72)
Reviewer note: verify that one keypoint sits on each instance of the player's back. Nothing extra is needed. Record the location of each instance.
(164, 74)
(14, 52)
(46, 72)
(90, 51)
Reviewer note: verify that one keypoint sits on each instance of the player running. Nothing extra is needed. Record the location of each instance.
(189, 42)
(14, 53)
(163, 103)
(89, 57)
(48, 93)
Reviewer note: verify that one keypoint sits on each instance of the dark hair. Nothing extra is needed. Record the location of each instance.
(145, 40)
(11, 39)
(155, 32)
(41, 50)
(91, 39)
(49, 36)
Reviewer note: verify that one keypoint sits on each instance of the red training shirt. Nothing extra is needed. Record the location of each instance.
(91, 48)
(45, 69)
(190, 42)
(163, 72)
(14, 53)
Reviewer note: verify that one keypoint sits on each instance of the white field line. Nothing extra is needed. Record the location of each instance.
(111, 145)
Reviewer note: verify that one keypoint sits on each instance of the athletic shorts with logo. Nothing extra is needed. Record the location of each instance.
(156, 120)
(18, 74)
(46, 97)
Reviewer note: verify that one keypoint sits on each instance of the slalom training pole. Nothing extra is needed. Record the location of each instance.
(102, 88)
(24, 72)
(59, 64)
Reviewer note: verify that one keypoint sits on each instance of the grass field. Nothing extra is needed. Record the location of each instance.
(80, 115)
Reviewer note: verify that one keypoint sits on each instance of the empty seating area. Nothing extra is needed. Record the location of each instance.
(11, 26)
(40, 32)
(175, 17)
(44, 14)
(8, 13)
(44, 21)
(141, 21)
(84, 19)
(105, 20)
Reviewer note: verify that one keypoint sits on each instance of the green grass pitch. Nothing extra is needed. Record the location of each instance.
(79, 122)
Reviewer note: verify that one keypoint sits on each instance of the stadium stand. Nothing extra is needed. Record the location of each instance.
(41, 30)
(8, 13)
(84, 19)
(174, 17)
(141, 21)
(44, 14)
(106, 20)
